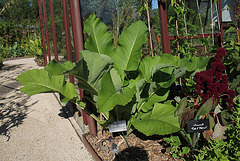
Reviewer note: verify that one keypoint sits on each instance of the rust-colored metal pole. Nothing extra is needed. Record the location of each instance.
(92, 124)
(73, 33)
(46, 29)
(67, 34)
(42, 32)
(77, 27)
(78, 39)
(53, 30)
(164, 28)
(221, 22)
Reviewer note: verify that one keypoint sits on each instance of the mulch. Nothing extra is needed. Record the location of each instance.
(137, 147)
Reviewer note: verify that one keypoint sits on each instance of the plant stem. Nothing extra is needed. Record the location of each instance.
(184, 135)
(177, 38)
(82, 108)
(149, 27)
(147, 99)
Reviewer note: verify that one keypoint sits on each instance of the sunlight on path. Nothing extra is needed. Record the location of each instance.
(31, 128)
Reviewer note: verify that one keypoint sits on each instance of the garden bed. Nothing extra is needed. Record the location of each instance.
(142, 148)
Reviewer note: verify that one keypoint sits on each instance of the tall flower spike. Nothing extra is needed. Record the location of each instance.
(212, 83)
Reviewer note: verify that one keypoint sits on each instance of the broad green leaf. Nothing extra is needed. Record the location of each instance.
(163, 75)
(181, 65)
(166, 68)
(128, 54)
(125, 112)
(109, 96)
(182, 105)
(205, 108)
(180, 71)
(194, 63)
(156, 94)
(225, 117)
(161, 121)
(169, 59)
(146, 67)
(116, 79)
(55, 68)
(139, 84)
(90, 70)
(231, 29)
(190, 64)
(40, 81)
(235, 82)
(99, 39)
(157, 97)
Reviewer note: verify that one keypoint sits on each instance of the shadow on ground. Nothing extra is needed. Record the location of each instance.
(13, 110)
(11, 67)
(133, 154)
(13, 103)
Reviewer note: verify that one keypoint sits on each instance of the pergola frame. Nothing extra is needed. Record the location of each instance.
(77, 32)
(162, 7)
(78, 37)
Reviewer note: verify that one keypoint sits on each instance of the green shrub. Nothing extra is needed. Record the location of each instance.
(16, 51)
(34, 46)
(228, 149)
(1, 59)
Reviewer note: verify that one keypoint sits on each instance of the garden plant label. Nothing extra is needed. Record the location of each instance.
(117, 126)
(198, 125)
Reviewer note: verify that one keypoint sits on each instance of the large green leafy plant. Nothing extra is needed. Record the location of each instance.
(214, 101)
(117, 81)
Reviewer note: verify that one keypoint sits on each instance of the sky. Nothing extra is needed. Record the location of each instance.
(154, 4)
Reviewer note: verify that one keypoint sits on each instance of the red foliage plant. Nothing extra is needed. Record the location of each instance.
(213, 83)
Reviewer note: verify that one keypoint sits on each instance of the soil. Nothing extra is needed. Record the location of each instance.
(141, 148)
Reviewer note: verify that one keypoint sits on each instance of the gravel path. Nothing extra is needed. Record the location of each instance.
(34, 128)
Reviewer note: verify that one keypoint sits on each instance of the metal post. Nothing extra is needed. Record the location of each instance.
(67, 34)
(42, 32)
(77, 27)
(46, 29)
(53, 30)
(91, 122)
(78, 39)
(164, 28)
(73, 31)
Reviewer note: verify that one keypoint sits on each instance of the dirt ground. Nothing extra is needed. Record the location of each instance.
(34, 128)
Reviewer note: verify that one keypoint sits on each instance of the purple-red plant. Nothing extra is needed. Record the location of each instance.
(213, 83)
